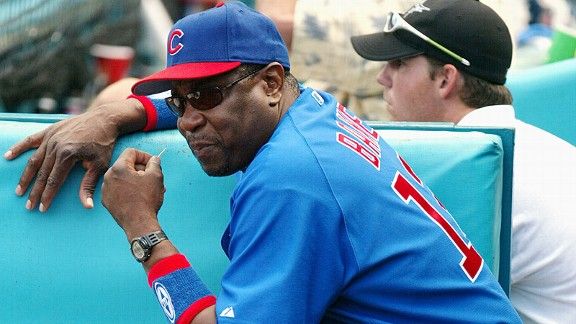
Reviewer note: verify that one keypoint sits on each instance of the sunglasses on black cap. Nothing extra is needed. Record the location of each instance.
(394, 21)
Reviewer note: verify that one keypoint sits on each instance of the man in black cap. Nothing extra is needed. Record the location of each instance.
(447, 62)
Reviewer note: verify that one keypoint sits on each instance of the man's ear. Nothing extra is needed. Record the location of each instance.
(273, 76)
(448, 80)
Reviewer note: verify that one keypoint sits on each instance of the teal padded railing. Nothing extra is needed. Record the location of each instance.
(73, 265)
(545, 96)
(454, 198)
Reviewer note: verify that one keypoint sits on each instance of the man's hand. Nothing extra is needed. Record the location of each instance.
(133, 192)
(88, 138)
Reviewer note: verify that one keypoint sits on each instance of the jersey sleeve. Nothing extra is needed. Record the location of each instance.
(158, 115)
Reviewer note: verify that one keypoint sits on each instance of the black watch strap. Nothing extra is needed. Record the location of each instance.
(154, 238)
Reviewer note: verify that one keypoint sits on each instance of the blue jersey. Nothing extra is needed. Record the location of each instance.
(330, 224)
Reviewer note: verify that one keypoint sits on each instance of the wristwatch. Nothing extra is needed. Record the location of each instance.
(141, 247)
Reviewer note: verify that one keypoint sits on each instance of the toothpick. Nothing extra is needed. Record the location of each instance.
(159, 154)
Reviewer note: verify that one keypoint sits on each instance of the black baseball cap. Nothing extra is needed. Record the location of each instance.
(468, 28)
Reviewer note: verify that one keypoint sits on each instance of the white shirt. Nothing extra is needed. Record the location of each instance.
(543, 254)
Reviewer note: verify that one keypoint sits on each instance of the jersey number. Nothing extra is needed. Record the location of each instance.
(471, 262)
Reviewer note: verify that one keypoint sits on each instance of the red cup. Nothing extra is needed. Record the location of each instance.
(112, 61)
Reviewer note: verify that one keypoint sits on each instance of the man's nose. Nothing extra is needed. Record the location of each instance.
(191, 120)
(383, 76)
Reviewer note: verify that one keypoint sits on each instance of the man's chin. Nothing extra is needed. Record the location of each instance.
(213, 172)
(216, 170)
(391, 113)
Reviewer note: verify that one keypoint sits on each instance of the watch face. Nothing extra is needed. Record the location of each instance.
(137, 250)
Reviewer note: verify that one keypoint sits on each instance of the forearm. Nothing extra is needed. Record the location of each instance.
(125, 116)
(162, 250)
(170, 275)
(140, 113)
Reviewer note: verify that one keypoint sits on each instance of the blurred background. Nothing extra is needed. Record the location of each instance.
(56, 55)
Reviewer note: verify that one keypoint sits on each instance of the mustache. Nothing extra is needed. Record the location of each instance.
(199, 141)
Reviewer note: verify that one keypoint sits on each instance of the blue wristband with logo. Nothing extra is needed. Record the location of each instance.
(180, 292)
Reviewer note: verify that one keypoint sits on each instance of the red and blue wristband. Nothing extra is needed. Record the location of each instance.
(181, 293)
(158, 115)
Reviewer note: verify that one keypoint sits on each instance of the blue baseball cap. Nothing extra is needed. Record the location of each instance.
(216, 41)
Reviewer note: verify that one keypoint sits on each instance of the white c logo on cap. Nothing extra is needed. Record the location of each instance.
(173, 50)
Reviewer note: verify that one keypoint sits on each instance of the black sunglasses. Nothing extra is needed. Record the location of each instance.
(202, 98)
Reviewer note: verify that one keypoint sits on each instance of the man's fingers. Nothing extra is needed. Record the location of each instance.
(40, 182)
(54, 182)
(30, 170)
(30, 142)
(131, 158)
(153, 164)
(142, 157)
(88, 186)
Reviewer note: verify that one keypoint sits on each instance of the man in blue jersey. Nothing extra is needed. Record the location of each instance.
(328, 223)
